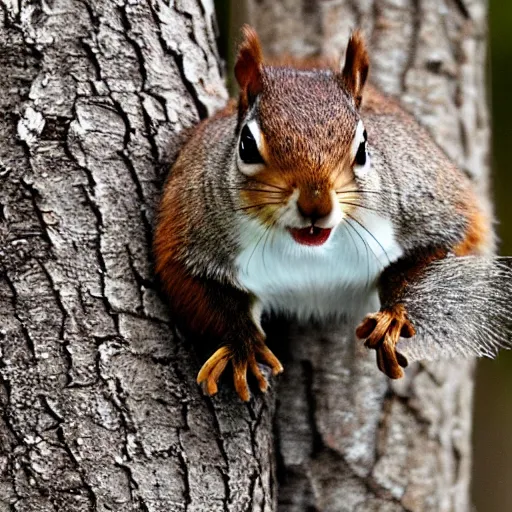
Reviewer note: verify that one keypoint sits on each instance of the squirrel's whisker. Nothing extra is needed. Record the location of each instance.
(363, 191)
(256, 245)
(359, 205)
(259, 205)
(373, 237)
(365, 244)
(250, 189)
(266, 184)
(356, 191)
(270, 233)
(259, 190)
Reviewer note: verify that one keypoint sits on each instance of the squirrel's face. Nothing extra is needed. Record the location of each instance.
(301, 141)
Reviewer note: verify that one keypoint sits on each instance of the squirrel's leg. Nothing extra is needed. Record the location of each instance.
(382, 330)
(218, 311)
(232, 317)
(242, 341)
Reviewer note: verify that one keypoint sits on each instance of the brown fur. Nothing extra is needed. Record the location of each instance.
(478, 237)
(248, 67)
(357, 65)
(315, 202)
(314, 159)
(189, 296)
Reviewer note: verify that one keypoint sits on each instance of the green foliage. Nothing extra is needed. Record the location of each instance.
(501, 98)
(493, 411)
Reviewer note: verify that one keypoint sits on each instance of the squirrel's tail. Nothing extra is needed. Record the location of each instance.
(462, 306)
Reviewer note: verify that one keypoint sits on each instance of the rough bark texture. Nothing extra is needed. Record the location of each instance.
(348, 439)
(100, 410)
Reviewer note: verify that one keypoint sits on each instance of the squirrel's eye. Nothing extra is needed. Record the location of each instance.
(248, 149)
(361, 154)
(361, 151)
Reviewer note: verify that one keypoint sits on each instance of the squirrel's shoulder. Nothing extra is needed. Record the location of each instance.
(394, 130)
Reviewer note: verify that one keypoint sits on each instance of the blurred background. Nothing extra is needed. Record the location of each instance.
(492, 465)
(492, 435)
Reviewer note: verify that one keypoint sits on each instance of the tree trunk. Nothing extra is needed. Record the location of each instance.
(100, 406)
(348, 439)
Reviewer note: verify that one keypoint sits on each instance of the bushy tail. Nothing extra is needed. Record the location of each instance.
(460, 307)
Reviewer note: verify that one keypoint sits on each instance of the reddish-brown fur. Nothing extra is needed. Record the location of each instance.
(248, 67)
(357, 65)
(315, 159)
(189, 295)
(478, 234)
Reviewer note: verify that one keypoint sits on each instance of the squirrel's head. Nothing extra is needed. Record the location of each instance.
(301, 141)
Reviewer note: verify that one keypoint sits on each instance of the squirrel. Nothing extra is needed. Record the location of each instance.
(317, 196)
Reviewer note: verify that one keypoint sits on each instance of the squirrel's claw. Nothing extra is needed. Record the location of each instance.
(267, 357)
(382, 332)
(211, 371)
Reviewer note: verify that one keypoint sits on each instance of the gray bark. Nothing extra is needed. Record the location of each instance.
(348, 439)
(100, 410)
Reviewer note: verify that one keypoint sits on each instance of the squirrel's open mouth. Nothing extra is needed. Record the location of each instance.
(310, 235)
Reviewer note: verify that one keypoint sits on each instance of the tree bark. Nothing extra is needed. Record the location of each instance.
(100, 406)
(347, 438)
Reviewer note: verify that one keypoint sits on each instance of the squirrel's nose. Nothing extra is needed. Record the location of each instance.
(314, 205)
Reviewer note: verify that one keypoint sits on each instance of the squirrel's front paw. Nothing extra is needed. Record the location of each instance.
(382, 331)
(211, 371)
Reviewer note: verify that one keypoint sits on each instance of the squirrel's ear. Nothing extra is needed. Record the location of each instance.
(248, 66)
(357, 64)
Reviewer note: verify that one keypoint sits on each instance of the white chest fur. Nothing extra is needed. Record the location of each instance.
(332, 280)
